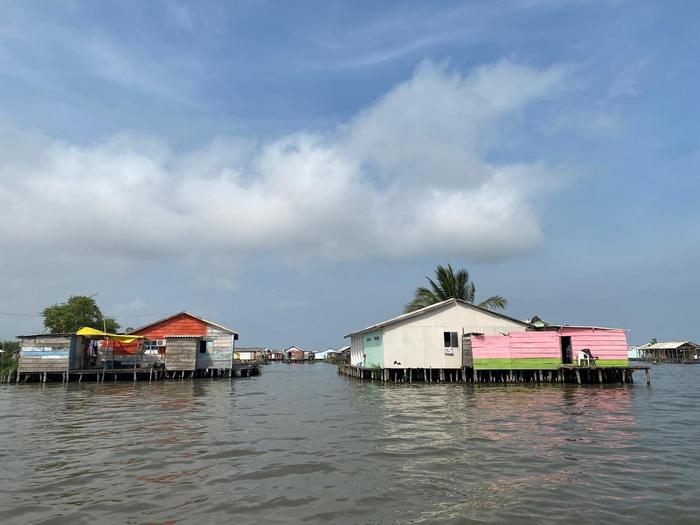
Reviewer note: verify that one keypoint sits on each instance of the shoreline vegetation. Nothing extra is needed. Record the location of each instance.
(8, 361)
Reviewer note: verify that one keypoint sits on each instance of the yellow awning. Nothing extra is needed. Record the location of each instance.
(115, 337)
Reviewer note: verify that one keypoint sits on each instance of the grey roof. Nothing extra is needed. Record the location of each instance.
(436, 306)
(45, 335)
(185, 313)
(670, 345)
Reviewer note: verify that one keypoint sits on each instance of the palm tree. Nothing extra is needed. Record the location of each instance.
(451, 285)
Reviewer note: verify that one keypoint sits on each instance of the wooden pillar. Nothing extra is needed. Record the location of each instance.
(646, 370)
(442, 375)
(624, 376)
(600, 376)
(578, 376)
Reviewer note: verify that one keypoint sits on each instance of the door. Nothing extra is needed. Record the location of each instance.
(567, 357)
(467, 354)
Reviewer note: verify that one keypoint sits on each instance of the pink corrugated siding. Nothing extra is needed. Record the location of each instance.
(517, 345)
(534, 344)
(490, 346)
(603, 343)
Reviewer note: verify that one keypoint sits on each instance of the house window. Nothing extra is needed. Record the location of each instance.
(202, 347)
(450, 339)
(369, 339)
(376, 338)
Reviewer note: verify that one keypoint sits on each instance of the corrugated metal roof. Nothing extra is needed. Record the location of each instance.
(558, 326)
(45, 335)
(670, 345)
(436, 306)
(191, 315)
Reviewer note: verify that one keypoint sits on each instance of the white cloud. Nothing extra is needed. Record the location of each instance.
(410, 175)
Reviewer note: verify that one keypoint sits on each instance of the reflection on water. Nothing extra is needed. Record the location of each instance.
(302, 444)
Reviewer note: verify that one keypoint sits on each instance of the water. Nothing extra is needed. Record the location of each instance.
(301, 444)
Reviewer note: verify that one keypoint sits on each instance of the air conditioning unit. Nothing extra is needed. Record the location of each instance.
(160, 342)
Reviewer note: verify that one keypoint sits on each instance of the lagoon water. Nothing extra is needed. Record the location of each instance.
(301, 444)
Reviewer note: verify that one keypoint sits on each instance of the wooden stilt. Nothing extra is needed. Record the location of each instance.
(80, 377)
(648, 376)
(578, 376)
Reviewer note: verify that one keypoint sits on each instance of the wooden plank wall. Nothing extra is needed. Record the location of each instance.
(219, 350)
(44, 354)
(180, 353)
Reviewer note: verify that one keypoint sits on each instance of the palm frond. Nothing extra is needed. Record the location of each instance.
(448, 284)
(495, 302)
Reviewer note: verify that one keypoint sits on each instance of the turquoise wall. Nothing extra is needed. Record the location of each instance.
(373, 347)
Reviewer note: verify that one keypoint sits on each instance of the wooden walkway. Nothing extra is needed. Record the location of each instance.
(128, 374)
(565, 374)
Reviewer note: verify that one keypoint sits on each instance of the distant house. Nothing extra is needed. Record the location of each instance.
(294, 354)
(326, 354)
(671, 352)
(275, 355)
(250, 354)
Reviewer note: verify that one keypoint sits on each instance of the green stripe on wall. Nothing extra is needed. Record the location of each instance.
(613, 362)
(535, 363)
(527, 363)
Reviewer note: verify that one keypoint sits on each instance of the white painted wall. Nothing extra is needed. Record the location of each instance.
(418, 342)
(356, 349)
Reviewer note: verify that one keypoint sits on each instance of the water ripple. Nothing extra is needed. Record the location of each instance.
(302, 444)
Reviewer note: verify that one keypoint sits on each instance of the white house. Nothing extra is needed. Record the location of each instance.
(325, 354)
(427, 338)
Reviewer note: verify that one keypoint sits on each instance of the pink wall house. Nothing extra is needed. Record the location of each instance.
(546, 349)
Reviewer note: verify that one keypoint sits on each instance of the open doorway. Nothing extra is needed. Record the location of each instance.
(567, 357)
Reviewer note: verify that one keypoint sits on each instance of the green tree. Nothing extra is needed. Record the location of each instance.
(7, 360)
(79, 311)
(449, 284)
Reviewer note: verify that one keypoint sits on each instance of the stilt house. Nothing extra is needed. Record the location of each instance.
(427, 338)
(455, 334)
(186, 342)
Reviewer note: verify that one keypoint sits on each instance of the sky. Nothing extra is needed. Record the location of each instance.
(294, 170)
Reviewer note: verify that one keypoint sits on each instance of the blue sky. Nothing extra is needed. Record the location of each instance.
(295, 169)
